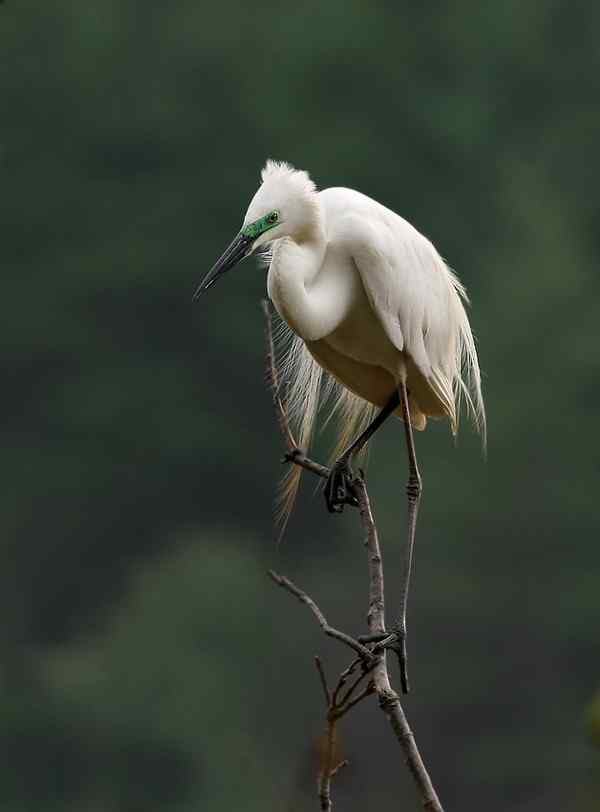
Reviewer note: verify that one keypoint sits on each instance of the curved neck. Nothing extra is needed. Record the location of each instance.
(307, 296)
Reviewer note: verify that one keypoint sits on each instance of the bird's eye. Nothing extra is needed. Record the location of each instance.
(273, 217)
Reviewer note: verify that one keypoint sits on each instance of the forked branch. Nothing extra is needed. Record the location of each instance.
(336, 708)
(371, 657)
(389, 701)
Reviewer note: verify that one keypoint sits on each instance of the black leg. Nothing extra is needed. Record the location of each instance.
(413, 492)
(338, 487)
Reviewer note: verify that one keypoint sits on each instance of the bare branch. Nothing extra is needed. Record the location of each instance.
(389, 702)
(376, 611)
(323, 678)
(327, 766)
(298, 457)
(336, 770)
(372, 661)
(284, 582)
(343, 679)
(367, 691)
(335, 711)
(352, 688)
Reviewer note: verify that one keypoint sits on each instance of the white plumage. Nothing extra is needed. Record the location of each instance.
(369, 300)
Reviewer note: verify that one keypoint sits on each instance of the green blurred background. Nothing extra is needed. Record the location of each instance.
(146, 661)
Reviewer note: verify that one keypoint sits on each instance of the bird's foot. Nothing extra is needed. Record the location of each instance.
(394, 640)
(399, 647)
(290, 456)
(339, 488)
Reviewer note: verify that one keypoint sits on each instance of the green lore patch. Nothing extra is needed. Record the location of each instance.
(254, 230)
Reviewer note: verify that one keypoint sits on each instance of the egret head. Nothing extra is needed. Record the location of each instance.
(285, 205)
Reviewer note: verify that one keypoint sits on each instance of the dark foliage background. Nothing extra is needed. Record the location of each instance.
(147, 663)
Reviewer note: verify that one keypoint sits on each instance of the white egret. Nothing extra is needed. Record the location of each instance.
(368, 301)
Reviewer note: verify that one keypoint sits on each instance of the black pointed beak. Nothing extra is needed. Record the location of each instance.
(239, 248)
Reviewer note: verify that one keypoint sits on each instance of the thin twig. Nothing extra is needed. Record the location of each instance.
(367, 691)
(342, 681)
(284, 582)
(298, 457)
(352, 688)
(335, 711)
(376, 611)
(327, 765)
(350, 670)
(336, 770)
(323, 679)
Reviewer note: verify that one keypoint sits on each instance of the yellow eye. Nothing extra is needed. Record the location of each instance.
(273, 218)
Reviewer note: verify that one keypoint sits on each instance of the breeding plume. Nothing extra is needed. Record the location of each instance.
(371, 316)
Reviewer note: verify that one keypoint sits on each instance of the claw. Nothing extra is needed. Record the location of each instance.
(400, 650)
(399, 647)
(394, 640)
(339, 490)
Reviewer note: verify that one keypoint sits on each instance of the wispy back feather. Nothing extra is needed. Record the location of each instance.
(305, 387)
(467, 381)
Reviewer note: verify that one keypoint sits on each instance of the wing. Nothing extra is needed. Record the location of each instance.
(417, 299)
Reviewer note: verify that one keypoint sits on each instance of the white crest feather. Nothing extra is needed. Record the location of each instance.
(280, 172)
